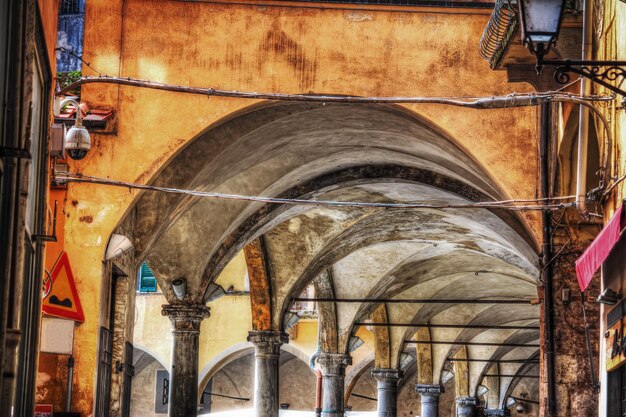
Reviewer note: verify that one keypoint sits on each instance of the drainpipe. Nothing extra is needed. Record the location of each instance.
(318, 381)
(583, 121)
(548, 306)
(318, 392)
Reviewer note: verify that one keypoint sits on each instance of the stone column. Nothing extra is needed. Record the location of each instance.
(466, 407)
(430, 399)
(186, 319)
(388, 380)
(497, 412)
(266, 354)
(333, 367)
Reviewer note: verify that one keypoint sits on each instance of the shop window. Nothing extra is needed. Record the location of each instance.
(146, 281)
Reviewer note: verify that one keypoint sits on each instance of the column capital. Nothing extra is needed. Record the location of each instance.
(186, 318)
(496, 412)
(333, 363)
(387, 374)
(429, 389)
(467, 402)
(267, 341)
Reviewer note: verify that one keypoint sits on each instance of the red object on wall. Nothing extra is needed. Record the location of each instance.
(62, 299)
(598, 251)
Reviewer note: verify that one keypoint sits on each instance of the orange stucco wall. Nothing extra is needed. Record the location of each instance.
(277, 47)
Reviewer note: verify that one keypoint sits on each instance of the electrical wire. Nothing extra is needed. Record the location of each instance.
(514, 205)
(66, 51)
(615, 184)
(507, 101)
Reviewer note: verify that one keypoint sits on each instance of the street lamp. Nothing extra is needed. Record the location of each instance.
(540, 21)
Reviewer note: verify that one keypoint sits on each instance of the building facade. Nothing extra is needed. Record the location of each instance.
(412, 195)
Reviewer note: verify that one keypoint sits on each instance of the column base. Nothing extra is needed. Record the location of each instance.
(496, 412)
(466, 406)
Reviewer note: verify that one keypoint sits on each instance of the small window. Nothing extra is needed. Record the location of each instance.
(146, 282)
(71, 7)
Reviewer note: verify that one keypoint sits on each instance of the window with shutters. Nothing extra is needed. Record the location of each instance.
(146, 282)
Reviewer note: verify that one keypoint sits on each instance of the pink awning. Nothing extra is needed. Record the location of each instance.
(599, 250)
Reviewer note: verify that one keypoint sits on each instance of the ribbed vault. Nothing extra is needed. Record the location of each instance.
(348, 153)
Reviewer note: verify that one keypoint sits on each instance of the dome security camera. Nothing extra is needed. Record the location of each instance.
(77, 142)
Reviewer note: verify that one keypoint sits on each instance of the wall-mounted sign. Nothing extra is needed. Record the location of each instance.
(43, 410)
(57, 336)
(615, 341)
(62, 299)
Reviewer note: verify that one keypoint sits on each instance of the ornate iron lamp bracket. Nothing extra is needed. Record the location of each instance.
(599, 72)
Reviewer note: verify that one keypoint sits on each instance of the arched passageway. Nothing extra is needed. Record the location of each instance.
(467, 274)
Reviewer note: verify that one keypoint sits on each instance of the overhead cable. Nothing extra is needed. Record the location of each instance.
(495, 102)
(514, 205)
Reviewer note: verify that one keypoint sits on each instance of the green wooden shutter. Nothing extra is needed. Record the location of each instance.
(147, 282)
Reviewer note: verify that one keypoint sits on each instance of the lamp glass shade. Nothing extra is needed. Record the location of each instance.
(446, 376)
(180, 288)
(510, 402)
(405, 360)
(213, 292)
(291, 319)
(540, 21)
(118, 246)
(482, 390)
(355, 343)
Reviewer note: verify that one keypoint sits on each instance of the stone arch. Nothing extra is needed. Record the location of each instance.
(165, 363)
(202, 165)
(236, 352)
(357, 371)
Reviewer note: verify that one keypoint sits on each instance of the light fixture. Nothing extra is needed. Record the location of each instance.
(118, 246)
(446, 376)
(405, 360)
(77, 141)
(354, 343)
(540, 21)
(290, 319)
(510, 402)
(213, 292)
(608, 297)
(179, 286)
(482, 390)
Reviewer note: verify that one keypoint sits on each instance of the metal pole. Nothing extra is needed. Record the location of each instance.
(493, 360)
(409, 301)
(511, 376)
(437, 342)
(546, 124)
(450, 326)
(70, 378)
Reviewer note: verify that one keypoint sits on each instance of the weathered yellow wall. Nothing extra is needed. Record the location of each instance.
(273, 48)
(611, 45)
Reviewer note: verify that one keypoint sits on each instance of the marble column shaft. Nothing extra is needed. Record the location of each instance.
(186, 319)
(430, 399)
(333, 367)
(267, 345)
(466, 407)
(387, 384)
(497, 412)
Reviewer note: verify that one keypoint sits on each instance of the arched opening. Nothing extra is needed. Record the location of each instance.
(470, 255)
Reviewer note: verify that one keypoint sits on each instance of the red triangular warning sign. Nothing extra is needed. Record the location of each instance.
(62, 299)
